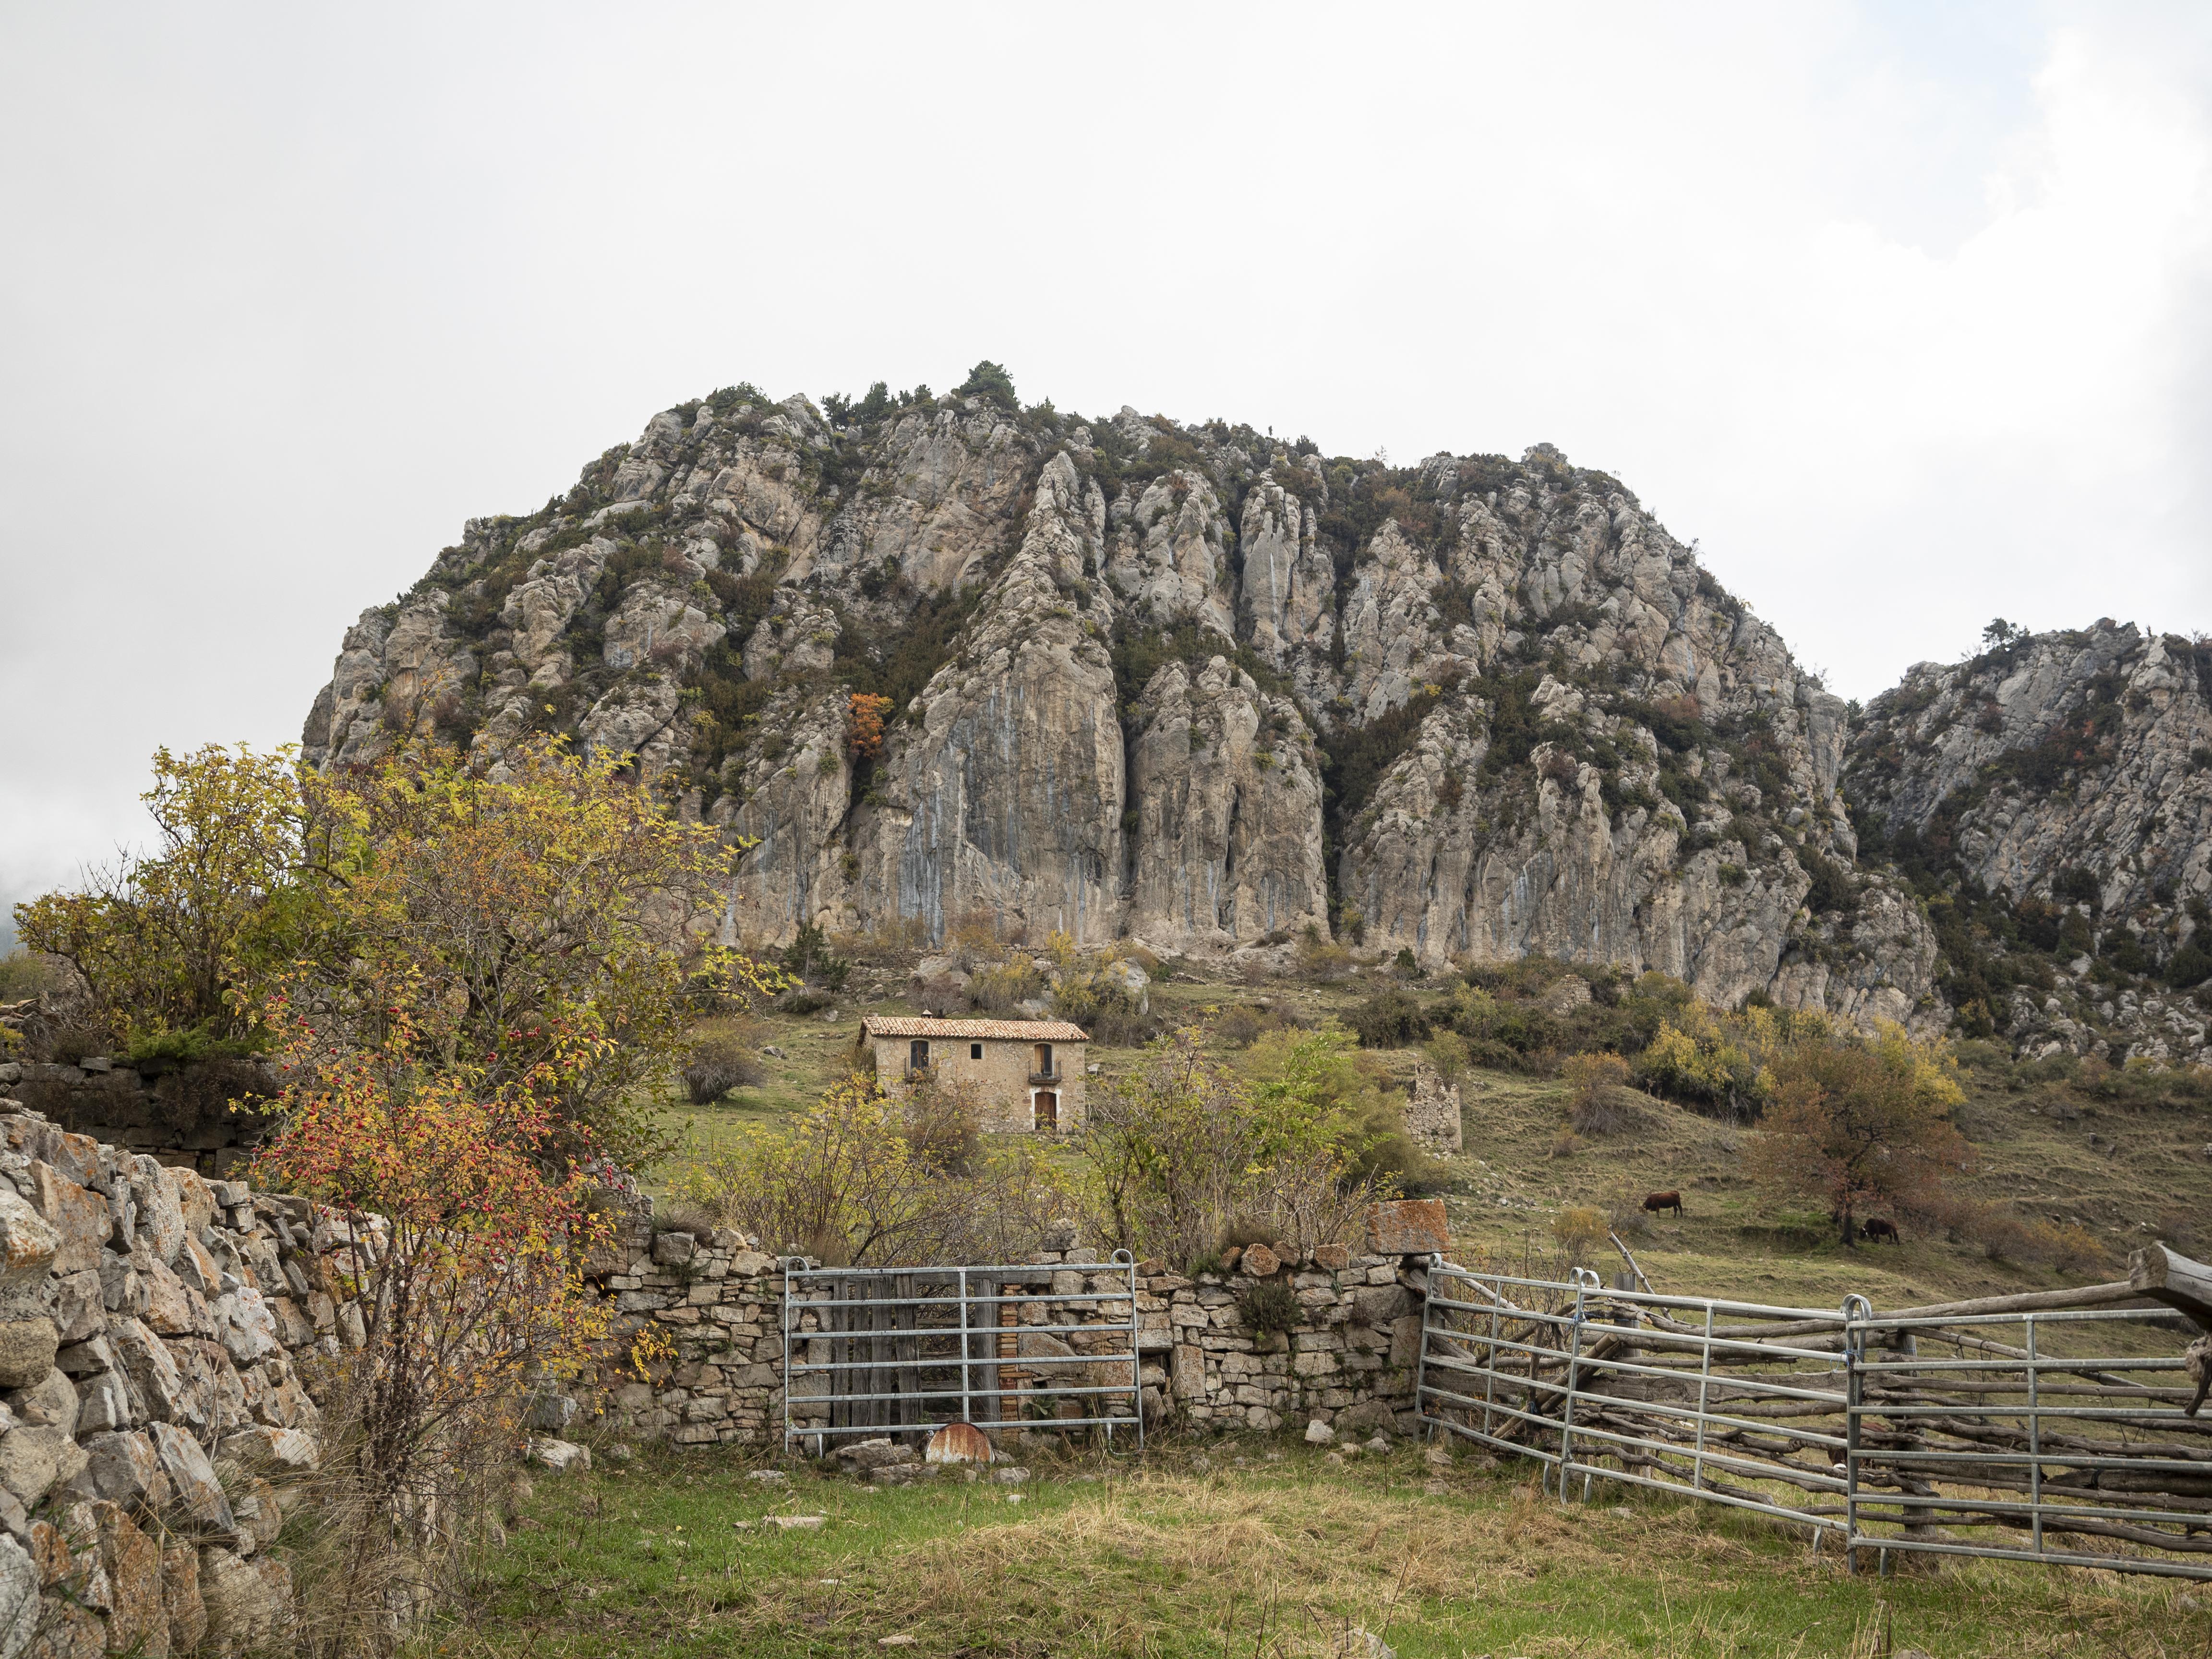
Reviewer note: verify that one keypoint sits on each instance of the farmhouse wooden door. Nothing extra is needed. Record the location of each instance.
(1047, 1108)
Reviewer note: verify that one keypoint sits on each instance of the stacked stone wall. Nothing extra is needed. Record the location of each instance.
(717, 1304)
(152, 1411)
(158, 1114)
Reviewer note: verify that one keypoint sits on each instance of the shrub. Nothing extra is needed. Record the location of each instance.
(1240, 1024)
(467, 1236)
(551, 902)
(1509, 1035)
(1390, 1019)
(206, 1092)
(1624, 1209)
(863, 1180)
(997, 989)
(1692, 1059)
(717, 1066)
(1602, 1103)
(194, 935)
(24, 975)
(864, 724)
(1103, 1006)
(1243, 1231)
(940, 992)
(1448, 1052)
(1322, 960)
(809, 957)
(1269, 1306)
(1180, 1148)
(1404, 964)
(1579, 1229)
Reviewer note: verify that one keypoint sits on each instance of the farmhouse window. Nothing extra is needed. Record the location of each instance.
(974, 1051)
(918, 1054)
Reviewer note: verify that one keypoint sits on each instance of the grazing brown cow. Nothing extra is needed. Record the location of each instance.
(1656, 1202)
(1876, 1227)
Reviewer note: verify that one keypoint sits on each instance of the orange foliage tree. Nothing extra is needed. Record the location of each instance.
(864, 723)
(461, 1253)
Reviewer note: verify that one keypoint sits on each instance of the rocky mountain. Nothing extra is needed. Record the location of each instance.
(2051, 800)
(1191, 684)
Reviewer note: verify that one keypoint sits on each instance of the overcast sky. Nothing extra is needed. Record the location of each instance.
(1899, 310)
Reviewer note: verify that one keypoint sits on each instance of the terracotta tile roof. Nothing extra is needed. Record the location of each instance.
(1012, 1030)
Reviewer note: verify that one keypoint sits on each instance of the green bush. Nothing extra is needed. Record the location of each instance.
(1390, 1019)
(1269, 1306)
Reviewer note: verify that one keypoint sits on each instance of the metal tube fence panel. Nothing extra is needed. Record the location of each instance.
(908, 1347)
(2010, 1432)
(1990, 1455)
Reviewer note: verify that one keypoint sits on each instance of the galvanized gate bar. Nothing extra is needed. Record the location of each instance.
(943, 1325)
(1839, 1419)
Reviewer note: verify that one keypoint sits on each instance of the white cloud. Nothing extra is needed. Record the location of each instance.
(1896, 309)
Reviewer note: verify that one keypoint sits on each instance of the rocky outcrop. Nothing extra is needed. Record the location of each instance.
(1226, 793)
(2052, 799)
(1177, 684)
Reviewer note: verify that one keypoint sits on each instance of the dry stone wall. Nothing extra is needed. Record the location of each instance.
(179, 1117)
(717, 1303)
(150, 1403)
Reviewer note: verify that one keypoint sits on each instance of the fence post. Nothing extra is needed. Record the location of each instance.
(1704, 1400)
(967, 1412)
(1584, 1280)
(2034, 1443)
(783, 1449)
(1421, 1351)
(1490, 1364)
(1136, 1357)
(1854, 1343)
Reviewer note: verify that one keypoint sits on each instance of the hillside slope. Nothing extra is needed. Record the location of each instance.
(1186, 683)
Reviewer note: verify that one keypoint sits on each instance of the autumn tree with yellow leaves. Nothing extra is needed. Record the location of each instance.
(1861, 1123)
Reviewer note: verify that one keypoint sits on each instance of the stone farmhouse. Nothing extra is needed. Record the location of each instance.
(1027, 1073)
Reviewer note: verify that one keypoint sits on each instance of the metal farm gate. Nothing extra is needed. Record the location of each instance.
(2017, 1435)
(871, 1351)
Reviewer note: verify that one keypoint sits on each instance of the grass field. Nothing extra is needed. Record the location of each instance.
(1238, 1548)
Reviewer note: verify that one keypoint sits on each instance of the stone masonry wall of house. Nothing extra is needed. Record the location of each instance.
(1350, 1360)
(1002, 1078)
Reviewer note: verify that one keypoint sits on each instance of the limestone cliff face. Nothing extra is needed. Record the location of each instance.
(1185, 684)
(2052, 800)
